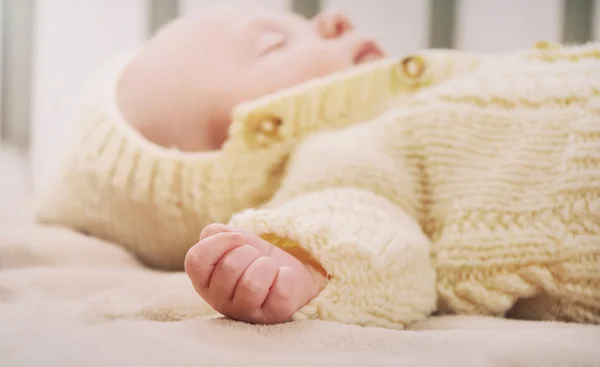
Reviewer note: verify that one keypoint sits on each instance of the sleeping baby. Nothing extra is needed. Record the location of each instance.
(327, 181)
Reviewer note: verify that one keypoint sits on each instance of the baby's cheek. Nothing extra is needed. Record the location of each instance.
(288, 70)
(326, 63)
(314, 60)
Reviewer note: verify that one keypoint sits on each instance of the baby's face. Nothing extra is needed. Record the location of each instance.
(219, 58)
(268, 52)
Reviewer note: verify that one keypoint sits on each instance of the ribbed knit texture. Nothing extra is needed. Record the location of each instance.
(115, 185)
(491, 165)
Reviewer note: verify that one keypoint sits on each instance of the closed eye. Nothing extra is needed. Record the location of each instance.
(270, 40)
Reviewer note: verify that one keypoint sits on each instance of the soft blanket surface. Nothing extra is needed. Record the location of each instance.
(70, 300)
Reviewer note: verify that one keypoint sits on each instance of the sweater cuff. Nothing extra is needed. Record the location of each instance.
(376, 257)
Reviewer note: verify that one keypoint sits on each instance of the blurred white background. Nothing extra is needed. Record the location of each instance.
(52, 49)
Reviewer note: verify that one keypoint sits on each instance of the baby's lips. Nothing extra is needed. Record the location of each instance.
(368, 50)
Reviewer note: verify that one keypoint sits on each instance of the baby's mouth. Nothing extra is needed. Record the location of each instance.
(367, 52)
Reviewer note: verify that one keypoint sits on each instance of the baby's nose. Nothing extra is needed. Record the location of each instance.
(332, 24)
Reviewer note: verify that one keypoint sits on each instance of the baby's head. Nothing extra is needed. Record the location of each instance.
(180, 89)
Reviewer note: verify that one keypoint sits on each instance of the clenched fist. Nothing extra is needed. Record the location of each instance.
(248, 279)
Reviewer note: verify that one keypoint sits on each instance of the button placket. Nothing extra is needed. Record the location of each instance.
(547, 45)
(547, 50)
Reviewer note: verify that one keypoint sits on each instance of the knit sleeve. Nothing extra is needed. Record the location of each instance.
(352, 208)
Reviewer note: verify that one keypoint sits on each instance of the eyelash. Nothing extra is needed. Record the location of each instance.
(281, 40)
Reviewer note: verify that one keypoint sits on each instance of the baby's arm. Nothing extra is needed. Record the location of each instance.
(349, 200)
(375, 255)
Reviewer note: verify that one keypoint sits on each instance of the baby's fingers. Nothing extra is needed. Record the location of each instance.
(253, 288)
(264, 247)
(201, 259)
(285, 297)
(229, 270)
(213, 229)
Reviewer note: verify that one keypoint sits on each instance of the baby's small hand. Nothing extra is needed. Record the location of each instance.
(248, 279)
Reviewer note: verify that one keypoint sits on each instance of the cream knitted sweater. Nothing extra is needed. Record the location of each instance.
(485, 169)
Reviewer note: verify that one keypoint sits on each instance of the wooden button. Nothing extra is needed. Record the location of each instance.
(263, 129)
(411, 71)
(413, 66)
